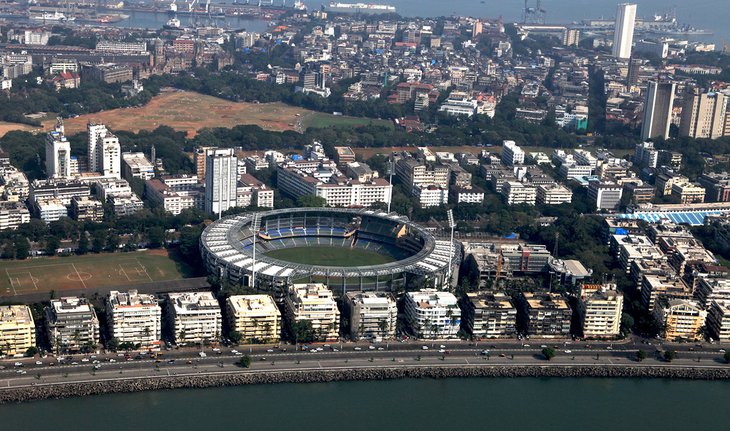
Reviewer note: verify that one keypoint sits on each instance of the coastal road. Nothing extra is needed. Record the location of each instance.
(14, 377)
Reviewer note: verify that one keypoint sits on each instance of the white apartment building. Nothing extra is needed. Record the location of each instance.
(412, 173)
(262, 196)
(195, 317)
(553, 194)
(104, 151)
(431, 196)
(574, 170)
(136, 165)
(712, 289)
(254, 317)
(432, 313)
(161, 194)
(630, 248)
(466, 195)
(316, 304)
(50, 209)
(718, 321)
(72, 325)
(515, 192)
(602, 305)
(17, 329)
(58, 154)
(623, 37)
(221, 177)
(679, 318)
(327, 182)
(606, 195)
(512, 154)
(13, 214)
(135, 318)
(372, 314)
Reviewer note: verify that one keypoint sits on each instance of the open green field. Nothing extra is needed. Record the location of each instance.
(320, 120)
(330, 256)
(86, 272)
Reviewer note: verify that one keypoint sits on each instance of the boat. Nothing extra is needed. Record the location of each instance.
(360, 7)
(172, 24)
(55, 16)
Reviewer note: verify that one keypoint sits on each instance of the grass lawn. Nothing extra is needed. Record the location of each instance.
(87, 272)
(320, 120)
(330, 256)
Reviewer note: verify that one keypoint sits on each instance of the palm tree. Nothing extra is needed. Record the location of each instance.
(383, 326)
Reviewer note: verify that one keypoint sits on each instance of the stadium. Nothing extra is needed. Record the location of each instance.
(347, 249)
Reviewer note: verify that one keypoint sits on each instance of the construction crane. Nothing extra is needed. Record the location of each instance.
(533, 15)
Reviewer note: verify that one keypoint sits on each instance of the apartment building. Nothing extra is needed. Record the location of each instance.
(17, 330)
(314, 303)
(605, 194)
(412, 172)
(515, 192)
(72, 325)
(712, 289)
(512, 154)
(679, 318)
(489, 315)
(261, 195)
(86, 209)
(628, 248)
(553, 194)
(195, 317)
(703, 114)
(602, 306)
(136, 165)
(13, 214)
(372, 315)
(687, 193)
(466, 195)
(135, 318)
(667, 285)
(431, 196)
(548, 314)
(718, 321)
(432, 313)
(171, 201)
(254, 317)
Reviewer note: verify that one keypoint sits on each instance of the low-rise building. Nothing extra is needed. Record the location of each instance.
(548, 314)
(254, 317)
(687, 193)
(372, 315)
(431, 196)
(195, 317)
(489, 315)
(432, 313)
(262, 195)
(466, 195)
(606, 195)
(602, 306)
(135, 319)
(316, 304)
(136, 165)
(553, 194)
(515, 192)
(712, 289)
(667, 285)
(72, 325)
(13, 214)
(86, 209)
(17, 329)
(628, 248)
(679, 318)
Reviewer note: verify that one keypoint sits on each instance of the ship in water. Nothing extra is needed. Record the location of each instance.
(172, 24)
(55, 16)
(370, 8)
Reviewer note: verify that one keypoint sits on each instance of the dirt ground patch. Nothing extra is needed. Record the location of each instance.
(9, 127)
(190, 112)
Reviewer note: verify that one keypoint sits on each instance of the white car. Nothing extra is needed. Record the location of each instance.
(269, 350)
(371, 347)
(234, 351)
(424, 347)
(358, 348)
(38, 363)
(568, 351)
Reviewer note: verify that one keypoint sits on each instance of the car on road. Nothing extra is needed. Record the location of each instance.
(371, 347)
(442, 351)
(380, 348)
(358, 348)
(525, 345)
(234, 351)
(202, 354)
(21, 372)
(424, 347)
(112, 360)
(269, 350)
(722, 350)
(18, 364)
(568, 351)
(85, 360)
(543, 346)
(485, 352)
(38, 363)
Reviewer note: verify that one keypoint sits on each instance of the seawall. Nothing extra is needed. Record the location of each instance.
(249, 377)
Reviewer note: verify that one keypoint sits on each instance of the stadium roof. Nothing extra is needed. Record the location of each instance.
(692, 218)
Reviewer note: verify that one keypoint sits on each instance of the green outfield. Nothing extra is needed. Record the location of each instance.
(330, 256)
(86, 272)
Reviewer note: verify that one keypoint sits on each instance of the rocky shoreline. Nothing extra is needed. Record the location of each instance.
(68, 390)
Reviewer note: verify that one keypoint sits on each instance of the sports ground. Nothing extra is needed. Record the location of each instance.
(330, 256)
(86, 272)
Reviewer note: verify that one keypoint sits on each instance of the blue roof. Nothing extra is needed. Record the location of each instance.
(692, 218)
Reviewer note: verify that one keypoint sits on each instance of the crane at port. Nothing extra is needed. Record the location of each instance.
(173, 6)
(533, 15)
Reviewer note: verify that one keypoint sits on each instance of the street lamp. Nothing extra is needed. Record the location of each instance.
(452, 225)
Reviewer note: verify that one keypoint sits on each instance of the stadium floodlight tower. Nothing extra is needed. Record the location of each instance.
(452, 225)
(254, 229)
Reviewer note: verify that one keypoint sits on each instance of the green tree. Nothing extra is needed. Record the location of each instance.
(98, 241)
(311, 201)
(22, 248)
(83, 244)
(548, 353)
(235, 336)
(32, 351)
(156, 236)
(113, 344)
(244, 362)
(726, 356)
(640, 355)
(9, 250)
(53, 243)
(303, 331)
(669, 355)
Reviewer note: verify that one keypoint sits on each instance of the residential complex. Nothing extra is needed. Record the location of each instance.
(17, 330)
(71, 325)
(548, 314)
(316, 304)
(195, 317)
(432, 314)
(372, 315)
(602, 306)
(135, 319)
(254, 317)
(490, 315)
